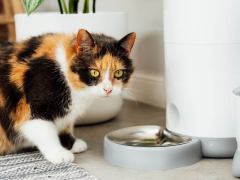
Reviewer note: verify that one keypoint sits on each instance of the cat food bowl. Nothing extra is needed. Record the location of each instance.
(150, 147)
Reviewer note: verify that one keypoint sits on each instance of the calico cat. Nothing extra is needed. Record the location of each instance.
(47, 81)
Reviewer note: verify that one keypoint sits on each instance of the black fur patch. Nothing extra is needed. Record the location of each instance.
(67, 140)
(7, 124)
(30, 47)
(46, 90)
(85, 76)
(5, 43)
(126, 75)
(6, 50)
(12, 95)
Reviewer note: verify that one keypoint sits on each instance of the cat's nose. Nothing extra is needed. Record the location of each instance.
(108, 90)
(107, 86)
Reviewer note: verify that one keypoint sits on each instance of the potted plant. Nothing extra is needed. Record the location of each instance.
(70, 20)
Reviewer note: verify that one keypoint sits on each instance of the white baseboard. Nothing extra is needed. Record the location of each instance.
(149, 90)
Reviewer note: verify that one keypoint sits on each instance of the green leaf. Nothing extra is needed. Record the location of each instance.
(60, 6)
(73, 6)
(94, 6)
(31, 5)
(64, 6)
(86, 6)
(70, 6)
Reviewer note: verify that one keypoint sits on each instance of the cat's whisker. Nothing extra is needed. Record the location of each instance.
(128, 95)
(122, 99)
(132, 92)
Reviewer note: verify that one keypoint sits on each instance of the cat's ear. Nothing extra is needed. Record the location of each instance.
(84, 41)
(127, 42)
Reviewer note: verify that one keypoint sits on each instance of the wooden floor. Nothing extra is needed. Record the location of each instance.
(134, 114)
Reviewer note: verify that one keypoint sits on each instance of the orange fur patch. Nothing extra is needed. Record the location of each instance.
(47, 47)
(50, 43)
(22, 113)
(68, 129)
(17, 74)
(70, 52)
(2, 99)
(5, 145)
(75, 81)
(108, 61)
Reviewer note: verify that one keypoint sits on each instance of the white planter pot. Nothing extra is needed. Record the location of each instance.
(114, 24)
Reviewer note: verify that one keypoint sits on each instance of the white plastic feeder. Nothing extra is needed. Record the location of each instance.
(236, 118)
(202, 65)
(202, 62)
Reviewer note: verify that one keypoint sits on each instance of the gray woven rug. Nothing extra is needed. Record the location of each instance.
(33, 166)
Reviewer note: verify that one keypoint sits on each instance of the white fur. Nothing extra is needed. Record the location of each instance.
(106, 77)
(61, 59)
(44, 135)
(106, 82)
(80, 100)
(79, 146)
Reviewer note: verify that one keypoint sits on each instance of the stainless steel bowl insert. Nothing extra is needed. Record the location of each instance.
(146, 136)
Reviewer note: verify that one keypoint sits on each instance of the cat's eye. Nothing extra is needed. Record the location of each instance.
(94, 73)
(118, 73)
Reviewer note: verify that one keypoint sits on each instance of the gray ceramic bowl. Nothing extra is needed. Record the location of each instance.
(150, 147)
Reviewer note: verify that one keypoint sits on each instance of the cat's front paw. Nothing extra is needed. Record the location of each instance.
(63, 156)
(79, 146)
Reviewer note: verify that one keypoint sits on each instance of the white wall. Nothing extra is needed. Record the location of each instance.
(146, 19)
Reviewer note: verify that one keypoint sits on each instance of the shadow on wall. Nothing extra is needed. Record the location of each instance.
(149, 86)
(148, 54)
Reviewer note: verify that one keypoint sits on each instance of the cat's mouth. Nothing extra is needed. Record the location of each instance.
(106, 96)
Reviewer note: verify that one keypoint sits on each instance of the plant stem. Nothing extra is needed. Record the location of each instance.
(86, 6)
(60, 6)
(64, 6)
(75, 7)
(70, 6)
(94, 6)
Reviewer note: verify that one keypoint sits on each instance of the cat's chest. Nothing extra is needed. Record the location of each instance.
(77, 108)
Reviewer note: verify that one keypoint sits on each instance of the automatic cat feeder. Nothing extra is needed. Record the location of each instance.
(202, 64)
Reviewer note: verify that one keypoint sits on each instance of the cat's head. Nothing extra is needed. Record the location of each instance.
(101, 66)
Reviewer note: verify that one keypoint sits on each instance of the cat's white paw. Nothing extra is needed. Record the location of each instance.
(63, 156)
(79, 146)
